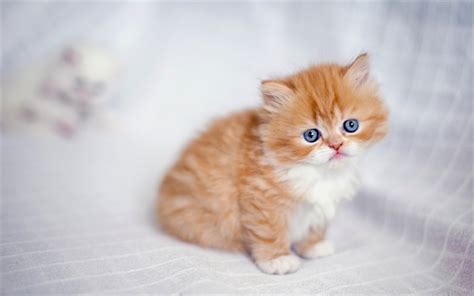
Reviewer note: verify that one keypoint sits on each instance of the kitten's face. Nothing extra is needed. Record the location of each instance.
(325, 115)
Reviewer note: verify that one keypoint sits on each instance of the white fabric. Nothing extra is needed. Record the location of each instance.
(77, 216)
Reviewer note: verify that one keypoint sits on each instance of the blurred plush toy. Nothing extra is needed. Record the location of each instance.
(63, 96)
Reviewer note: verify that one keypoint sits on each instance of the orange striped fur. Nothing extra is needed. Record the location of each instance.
(226, 190)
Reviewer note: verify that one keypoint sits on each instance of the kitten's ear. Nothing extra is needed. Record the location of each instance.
(358, 72)
(275, 93)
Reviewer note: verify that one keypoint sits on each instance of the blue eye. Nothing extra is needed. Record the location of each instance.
(351, 125)
(311, 135)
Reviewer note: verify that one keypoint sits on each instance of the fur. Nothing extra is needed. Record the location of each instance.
(252, 183)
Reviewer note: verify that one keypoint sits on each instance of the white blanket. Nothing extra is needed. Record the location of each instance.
(77, 216)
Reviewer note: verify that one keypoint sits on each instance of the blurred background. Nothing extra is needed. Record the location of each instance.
(98, 98)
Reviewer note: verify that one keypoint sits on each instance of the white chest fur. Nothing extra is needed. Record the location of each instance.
(321, 190)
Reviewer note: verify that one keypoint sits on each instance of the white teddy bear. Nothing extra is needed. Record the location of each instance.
(63, 96)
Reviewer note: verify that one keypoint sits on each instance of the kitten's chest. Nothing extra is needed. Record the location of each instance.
(320, 194)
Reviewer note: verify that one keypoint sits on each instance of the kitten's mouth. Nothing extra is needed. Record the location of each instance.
(338, 155)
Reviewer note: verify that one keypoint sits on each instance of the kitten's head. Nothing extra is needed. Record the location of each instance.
(324, 115)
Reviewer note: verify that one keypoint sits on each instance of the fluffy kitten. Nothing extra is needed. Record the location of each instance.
(268, 180)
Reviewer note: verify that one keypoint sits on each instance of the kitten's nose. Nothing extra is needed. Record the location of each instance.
(335, 144)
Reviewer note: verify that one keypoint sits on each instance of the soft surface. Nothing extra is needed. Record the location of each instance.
(77, 215)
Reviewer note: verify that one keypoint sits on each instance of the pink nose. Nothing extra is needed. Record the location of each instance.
(335, 145)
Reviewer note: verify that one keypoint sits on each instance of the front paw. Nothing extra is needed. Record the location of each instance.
(321, 249)
(280, 265)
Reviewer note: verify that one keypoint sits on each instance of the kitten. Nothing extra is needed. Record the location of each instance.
(268, 180)
(62, 95)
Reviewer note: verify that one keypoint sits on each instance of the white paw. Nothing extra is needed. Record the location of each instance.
(321, 249)
(280, 265)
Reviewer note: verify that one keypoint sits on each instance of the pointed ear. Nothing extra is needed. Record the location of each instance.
(275, 93)
(358, 72)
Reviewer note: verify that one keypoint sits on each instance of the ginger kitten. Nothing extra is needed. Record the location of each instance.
(268, 180)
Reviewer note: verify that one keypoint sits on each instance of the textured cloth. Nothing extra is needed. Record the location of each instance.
(77, 216)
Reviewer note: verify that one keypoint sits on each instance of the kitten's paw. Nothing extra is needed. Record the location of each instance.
(280, 265)
(321, 249)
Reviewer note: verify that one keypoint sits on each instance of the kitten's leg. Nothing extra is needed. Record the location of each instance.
(314, 245)
(203, 220)
(265, 234)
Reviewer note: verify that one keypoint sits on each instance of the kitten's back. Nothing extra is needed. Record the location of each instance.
(198, 199)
